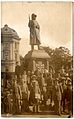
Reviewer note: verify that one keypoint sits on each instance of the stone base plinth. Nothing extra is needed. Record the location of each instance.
(37, 58)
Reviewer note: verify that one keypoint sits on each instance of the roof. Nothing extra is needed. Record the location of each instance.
(37, 54)
(7, 31)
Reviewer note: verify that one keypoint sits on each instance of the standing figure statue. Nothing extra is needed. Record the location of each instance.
(34, 31)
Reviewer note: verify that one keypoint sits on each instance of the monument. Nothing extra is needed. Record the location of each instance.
(36, 58)
(34, 31)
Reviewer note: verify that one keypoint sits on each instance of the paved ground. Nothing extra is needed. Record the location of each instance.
(44, 113)
(42, 116)
(37, 115)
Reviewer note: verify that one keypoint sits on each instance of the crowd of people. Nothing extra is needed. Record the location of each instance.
(33, 90)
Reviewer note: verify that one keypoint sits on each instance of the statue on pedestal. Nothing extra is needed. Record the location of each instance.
(34, 31)
(34, 57)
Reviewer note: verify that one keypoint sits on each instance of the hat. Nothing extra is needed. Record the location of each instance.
(69, 83)
(57, 79)
(68, 79)
(44, 85)
(34, 15)
(29, 72)
(33, 76)
(34, 81)
(63, 78)
(66, 75)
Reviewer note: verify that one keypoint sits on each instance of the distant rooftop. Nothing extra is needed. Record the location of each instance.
(7, 31)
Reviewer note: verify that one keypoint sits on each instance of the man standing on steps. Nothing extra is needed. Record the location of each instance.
(34, 31)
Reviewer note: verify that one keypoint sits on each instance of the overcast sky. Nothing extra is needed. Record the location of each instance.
(54, 19)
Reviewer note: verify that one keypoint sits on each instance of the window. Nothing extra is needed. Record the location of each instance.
(6, 68)
(6, 46)
(15, 45)
(6, 55)
(15, 57)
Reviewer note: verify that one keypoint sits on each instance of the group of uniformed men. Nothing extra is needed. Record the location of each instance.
(34, 89)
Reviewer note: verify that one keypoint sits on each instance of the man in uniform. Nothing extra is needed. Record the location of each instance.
(18, 96)
(57, 96)
(29, 79)
(69, 97)
(64, 89)
(34, 31)
(35, 94)
(25, 95)
(17, 71)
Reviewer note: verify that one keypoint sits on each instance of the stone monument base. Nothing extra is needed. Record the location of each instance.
(37, 58)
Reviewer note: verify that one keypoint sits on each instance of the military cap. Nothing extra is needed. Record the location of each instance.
(33, 76)
(34, 15)
(69, 83)
(63, 78)
(66, 75)
(44, 85)
(57, 79)
(68, 79)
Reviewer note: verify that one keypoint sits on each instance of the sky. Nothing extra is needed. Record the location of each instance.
(54, 18)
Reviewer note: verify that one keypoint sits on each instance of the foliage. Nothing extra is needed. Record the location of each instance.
(58, 57)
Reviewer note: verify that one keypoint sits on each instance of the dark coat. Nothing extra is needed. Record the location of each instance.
(34, 32)
(57, 95)
(17, 70)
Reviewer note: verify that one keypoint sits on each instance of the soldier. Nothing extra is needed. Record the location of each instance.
(64, 89)
(24, 76)
(14, 96)
(69, 97)
(10, 101)
(7, 94)
(49, 86)
(46, 75)
(5, 101)
(44, 93)
(7, 78)
(39, 77)
(17, 71)
(62, 72)
(57, 96)
(24, 91)
(34, 31)
(18, 96)
(35, 94)
(29, 79)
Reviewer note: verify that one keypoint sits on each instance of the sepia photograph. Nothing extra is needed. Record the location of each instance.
(37, 59)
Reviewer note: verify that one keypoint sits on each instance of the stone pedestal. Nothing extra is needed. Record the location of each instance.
(37, 58)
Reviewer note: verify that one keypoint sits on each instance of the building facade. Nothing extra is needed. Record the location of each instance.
(9, 49)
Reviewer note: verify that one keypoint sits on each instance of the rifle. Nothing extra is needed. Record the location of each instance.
(29, 17)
